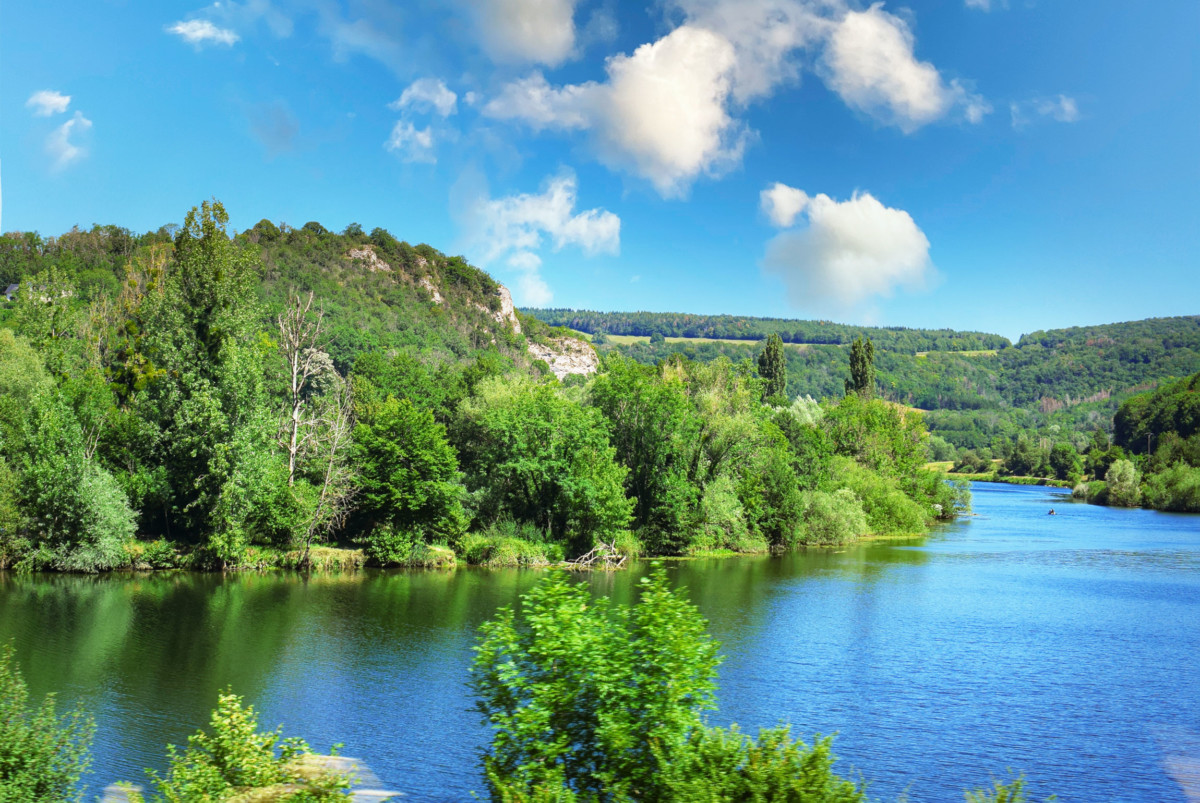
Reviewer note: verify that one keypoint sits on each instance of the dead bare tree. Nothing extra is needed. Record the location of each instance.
(335, 428)
(299, 337)
(317, 422)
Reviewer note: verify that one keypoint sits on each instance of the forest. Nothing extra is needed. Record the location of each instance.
(204, 398)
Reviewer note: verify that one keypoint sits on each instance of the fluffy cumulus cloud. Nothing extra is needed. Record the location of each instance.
(63, 145)
(202, 32)
(526, 31)
(848, 251)
(515, 228)
(410, 143)
(782, 204)
(427, 95)
(661, 114)
(670, 112)
(870, 63)
(47, 102)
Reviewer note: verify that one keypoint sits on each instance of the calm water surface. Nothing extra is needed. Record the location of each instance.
(1063, 646)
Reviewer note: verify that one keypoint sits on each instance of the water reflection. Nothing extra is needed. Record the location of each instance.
(1016, 639)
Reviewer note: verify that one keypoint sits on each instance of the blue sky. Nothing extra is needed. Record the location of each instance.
(976, 164)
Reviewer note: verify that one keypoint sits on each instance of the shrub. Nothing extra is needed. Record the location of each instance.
(493, 549)
(721, 522)
(42, 755)
(833, 518)
(888, 508)
(1176, 488)
(1123, 484)
(589, 700)
(235, 758)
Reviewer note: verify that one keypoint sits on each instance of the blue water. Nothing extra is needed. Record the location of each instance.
(1061, 646)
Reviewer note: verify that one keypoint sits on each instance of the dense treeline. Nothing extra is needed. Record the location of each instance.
(741, 327)
(1161, 433)
(234, 398)
(1063, 381)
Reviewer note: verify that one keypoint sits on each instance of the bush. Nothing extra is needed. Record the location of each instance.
(833, 518)
(494, 550)
(1176, 488)
(42, 755)
(593, 701)
(888, 508)
(1123, 484)
(726, 765)
(235, 759)
(721, 522)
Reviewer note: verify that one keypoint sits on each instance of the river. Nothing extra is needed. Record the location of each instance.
(1063, 646)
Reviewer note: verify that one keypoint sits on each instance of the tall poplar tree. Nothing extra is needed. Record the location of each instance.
(773, 367)
(862, 369)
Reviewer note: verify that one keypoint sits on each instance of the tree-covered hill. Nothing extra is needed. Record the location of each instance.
(742, 327)
(1067, 378)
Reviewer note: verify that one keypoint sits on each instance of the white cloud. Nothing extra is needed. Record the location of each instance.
(47, 102)
(870, 63)
(661, 114)
(849, 251)
(410, 143)
(526, 31)
(60, 146)
(516, 227)
(782, 204)
(427, 94)
(201, 32)
(670, 112)
(1061, 108)
(980, 5)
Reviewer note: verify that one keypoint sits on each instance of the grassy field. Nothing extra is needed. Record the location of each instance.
(976, 353)
(625, 340)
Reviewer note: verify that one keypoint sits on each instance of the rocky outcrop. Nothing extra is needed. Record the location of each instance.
(566, 356)
(432, 288)
(369, 258)
(507, 311)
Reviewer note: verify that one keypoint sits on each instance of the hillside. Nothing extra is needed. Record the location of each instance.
(1070, 378)
(376, 292)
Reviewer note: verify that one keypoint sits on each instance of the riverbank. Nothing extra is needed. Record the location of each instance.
(994, 476)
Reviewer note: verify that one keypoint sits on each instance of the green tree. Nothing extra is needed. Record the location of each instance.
(408, 473)
(1065, 462)
(1123, 484)
(42, 754)
(772, 367)
(589, 700)
(581, 692)
(536, 456)
(862, 369)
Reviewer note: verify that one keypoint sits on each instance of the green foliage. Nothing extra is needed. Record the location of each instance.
(861, 381)
(879, 435)
(1000, 792)
(234, 758)
(536, 457)
(1123, 481)
(1065, 462)
(506, 543)
(1175, 488)
(719, 765)
(888, 508)
(408, 473)
(583, 693)
(592, 701)
(772, 367)
(42, 754)
(753, 330)
(833, 518)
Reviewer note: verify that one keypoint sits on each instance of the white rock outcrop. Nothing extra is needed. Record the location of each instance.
(432, 288)
(566, 356)
(369, 258)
